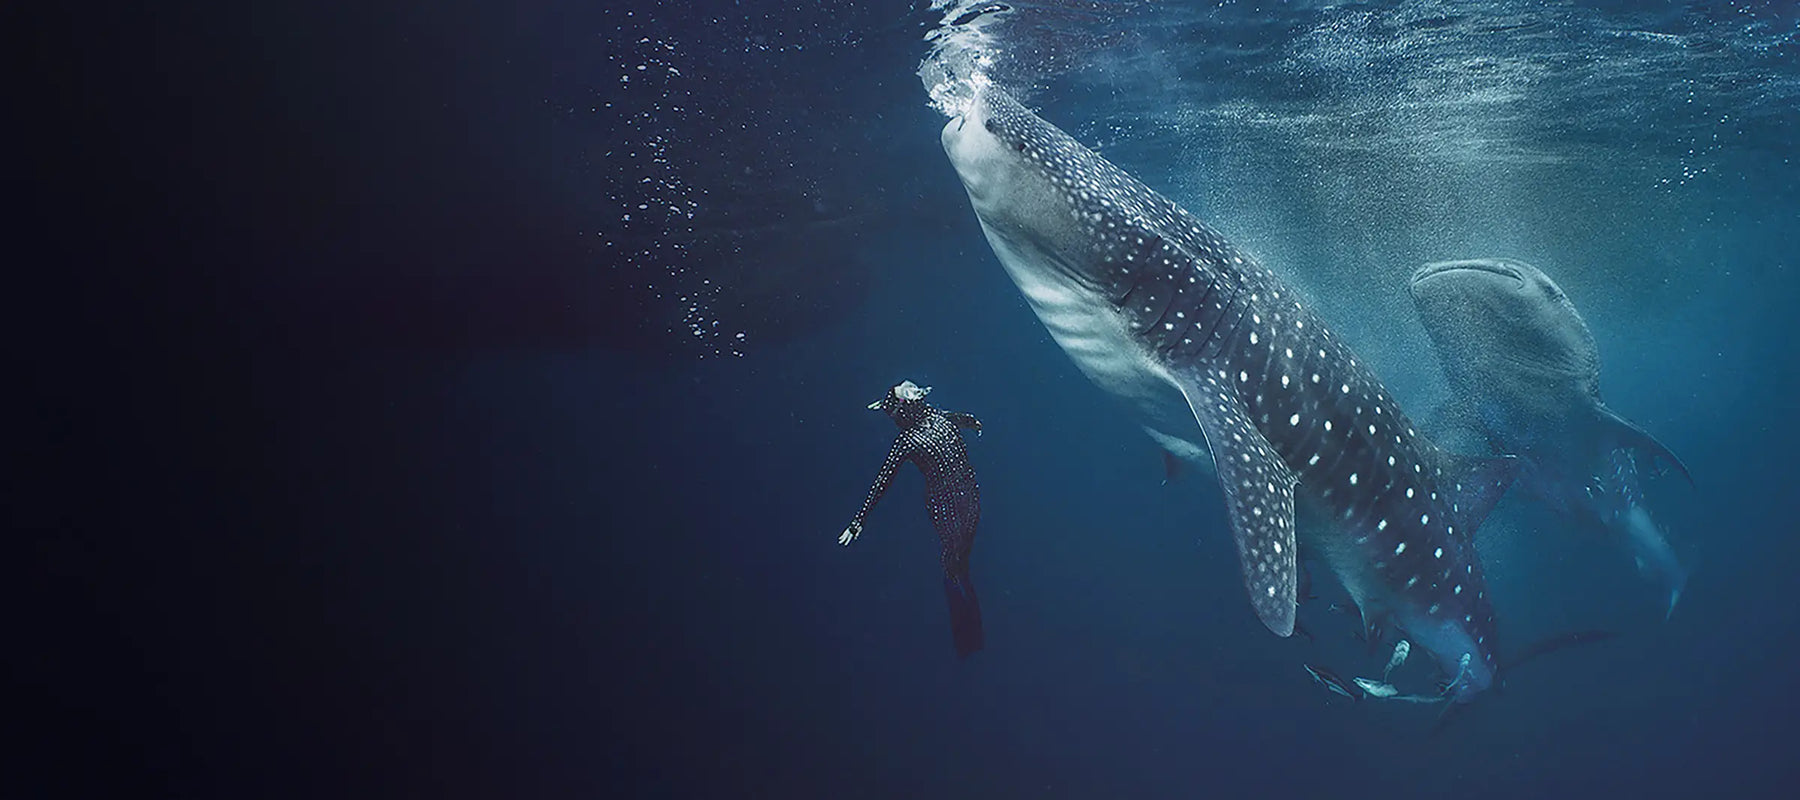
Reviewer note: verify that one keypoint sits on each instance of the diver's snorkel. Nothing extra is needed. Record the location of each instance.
(905, 391)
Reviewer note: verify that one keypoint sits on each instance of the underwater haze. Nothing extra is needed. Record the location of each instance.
(1644, 155)
(529, 433)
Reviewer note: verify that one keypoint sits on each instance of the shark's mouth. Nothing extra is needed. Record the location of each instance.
(1488, 265)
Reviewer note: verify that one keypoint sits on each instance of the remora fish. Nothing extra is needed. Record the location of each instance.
(1402, 649)
(1376, 689)
(1216, 354)
(1330, 680)
(1525, 374)
(1387, 691)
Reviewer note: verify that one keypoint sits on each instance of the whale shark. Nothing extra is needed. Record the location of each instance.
(1524, 375)
(1219, 357)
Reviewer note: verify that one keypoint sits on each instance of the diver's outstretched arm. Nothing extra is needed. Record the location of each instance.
(896, 456)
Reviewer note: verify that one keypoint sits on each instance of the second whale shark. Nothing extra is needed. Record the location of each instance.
(1524, 372)
(1218, 355)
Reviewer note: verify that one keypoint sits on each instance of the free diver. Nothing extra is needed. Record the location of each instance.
(931, 439)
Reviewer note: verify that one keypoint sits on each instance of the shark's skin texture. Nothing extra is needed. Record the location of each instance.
(1524, 374)
(1217, 354)
(931, 438)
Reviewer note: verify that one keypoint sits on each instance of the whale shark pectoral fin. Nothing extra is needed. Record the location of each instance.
(1259, 496)
(1474, 485)
(1626, 435)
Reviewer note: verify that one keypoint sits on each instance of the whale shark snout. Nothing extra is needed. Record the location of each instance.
(978, 156)
(1023, 179)
(1037, 194)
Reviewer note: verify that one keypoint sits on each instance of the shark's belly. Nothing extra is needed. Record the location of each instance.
(1096, 337)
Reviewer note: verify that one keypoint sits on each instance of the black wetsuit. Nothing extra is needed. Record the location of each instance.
(929, 438)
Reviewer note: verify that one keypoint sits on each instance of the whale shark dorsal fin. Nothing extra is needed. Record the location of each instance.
(1454, 426)
(1474, 485)
(1259, 497)
(1626, 435)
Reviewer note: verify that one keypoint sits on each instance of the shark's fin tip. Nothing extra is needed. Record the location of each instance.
(1628, 435)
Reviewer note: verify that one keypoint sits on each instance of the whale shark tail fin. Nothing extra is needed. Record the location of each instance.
(1552, 644)
(965, 614)
(1643, 445)
(1454, 710)
(1451, 712)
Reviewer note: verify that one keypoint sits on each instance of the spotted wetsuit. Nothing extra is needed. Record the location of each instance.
(929, 438)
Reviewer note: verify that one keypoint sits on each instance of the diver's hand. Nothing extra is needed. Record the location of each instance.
(849, 535)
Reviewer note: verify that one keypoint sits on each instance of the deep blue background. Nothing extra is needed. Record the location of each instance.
(346, 469)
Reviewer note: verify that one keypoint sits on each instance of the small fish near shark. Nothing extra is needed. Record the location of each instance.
(1332, 682)
(1524, 375)
(1220, 360)
(1359, 688)
(1402, 649)
(1387, 691)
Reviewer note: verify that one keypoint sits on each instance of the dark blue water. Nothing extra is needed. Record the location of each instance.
(429, 459)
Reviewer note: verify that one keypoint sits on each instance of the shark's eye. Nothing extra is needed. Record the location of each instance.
(1019, 146)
